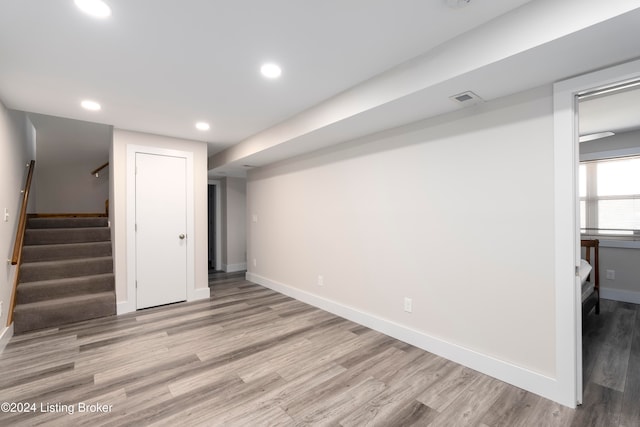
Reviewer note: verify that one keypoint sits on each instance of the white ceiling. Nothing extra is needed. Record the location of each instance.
(61, 141)
(159, 66)
(349, 68)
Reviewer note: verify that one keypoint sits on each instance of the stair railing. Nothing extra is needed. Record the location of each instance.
(19, 242)
(97, 170)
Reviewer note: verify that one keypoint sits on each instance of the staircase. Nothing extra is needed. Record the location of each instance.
(66, 273)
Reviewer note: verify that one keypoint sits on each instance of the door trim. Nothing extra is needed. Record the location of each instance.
(131, 218)
(567, 235)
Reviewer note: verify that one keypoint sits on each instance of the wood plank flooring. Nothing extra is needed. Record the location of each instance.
(252, 357)
(611, 366)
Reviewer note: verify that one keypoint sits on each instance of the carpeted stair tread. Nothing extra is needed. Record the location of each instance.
(36, 253)
(60, 311)
(59, 269)
(67, 222)
(50, 236)
(66, 273)
(43, 290)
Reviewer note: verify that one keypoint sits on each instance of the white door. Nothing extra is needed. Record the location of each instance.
(161, 228)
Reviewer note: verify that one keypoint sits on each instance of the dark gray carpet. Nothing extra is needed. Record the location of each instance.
(66, 273)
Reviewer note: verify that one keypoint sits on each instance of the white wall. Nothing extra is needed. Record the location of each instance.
(17, 148)
(234, 252)
(621, 257)
(455, 212)
(122, 139)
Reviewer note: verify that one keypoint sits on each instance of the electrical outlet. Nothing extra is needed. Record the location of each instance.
(6, 214)
(611, 274)
(408, 305)
(255, 262)
(254, 217)
(320, 281)
(0, 308)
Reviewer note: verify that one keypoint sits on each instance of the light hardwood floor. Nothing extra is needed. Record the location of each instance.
(252, 357)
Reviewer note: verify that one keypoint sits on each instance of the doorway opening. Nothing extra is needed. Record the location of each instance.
(609, 208)
(569, 345)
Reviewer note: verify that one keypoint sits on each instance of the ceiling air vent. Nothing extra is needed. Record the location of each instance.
(466, 98)
(457, 4)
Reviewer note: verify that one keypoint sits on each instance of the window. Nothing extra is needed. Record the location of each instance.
(610, 196)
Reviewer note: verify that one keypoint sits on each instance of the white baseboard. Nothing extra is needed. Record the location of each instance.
(518, 376)
(620, 295)
(198, 294)
(124, 307)
(232, 268)
(5, 336)
(201, 293)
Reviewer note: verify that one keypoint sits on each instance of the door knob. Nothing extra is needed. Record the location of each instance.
(181, 236)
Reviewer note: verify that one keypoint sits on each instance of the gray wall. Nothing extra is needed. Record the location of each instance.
(68, 150)
(234, 203)
(70, 188)
(17, 148)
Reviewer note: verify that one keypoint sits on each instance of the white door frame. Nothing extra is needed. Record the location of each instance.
(567, 233)
(131, 218)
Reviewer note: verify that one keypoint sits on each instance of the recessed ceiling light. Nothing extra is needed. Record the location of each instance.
(202, 126)
(95, 8)
(90, 105)
(271, 70)
(593, 136)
